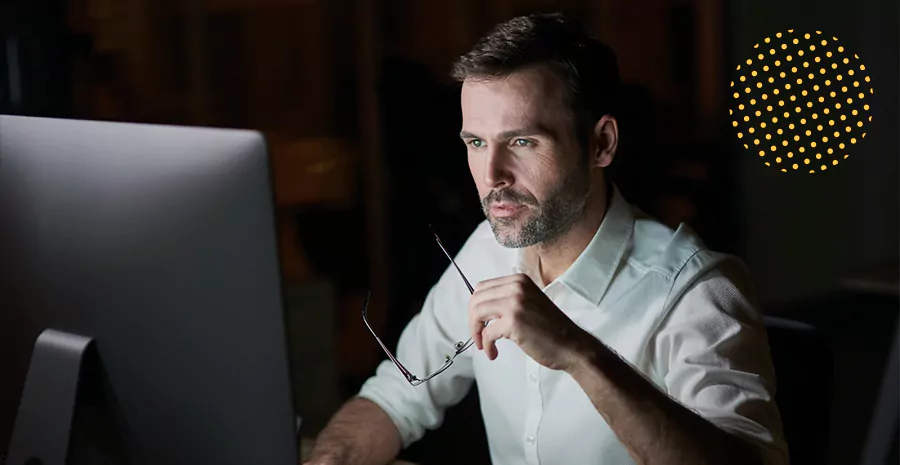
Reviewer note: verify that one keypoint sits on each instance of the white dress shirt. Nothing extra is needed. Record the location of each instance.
(682, 315)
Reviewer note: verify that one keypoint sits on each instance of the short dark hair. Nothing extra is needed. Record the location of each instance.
(587, 66)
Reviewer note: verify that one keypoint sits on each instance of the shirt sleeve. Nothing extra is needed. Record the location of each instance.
(423, 345)
(713, 354)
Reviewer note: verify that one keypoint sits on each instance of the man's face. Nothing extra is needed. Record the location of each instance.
(531, 173)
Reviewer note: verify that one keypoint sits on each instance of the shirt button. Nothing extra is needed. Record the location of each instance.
(530, 440)
(533, 378)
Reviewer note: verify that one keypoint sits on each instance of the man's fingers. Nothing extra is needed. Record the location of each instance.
(477, 338)
(496, 292)
(489, 283)
(482, 312)
(490, 335)
(493, 299)
(487, 325)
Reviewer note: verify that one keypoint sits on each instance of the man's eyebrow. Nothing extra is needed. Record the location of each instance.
(537, 130)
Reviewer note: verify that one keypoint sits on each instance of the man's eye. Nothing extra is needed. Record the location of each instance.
(477, 143)
(522, 143)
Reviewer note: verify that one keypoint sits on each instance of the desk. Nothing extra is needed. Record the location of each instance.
(306, 446)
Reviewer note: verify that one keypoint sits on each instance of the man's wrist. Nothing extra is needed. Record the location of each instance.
(585, 352)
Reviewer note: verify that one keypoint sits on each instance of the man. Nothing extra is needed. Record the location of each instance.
(612, 339)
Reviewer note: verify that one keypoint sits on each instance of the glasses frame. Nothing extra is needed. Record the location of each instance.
(459, 347)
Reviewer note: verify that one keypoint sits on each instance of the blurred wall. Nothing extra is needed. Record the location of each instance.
(802, 234)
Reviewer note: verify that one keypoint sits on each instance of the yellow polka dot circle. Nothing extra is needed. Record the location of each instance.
(801, 102)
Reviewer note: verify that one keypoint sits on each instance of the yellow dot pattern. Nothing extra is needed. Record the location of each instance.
(819, 77)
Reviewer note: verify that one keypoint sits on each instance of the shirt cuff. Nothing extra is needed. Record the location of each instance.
(772, 450)
(382, 389)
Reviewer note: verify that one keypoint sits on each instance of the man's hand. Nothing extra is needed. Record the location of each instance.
(522, 313)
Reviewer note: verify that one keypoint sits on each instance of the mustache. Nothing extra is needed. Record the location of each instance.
(509, 196)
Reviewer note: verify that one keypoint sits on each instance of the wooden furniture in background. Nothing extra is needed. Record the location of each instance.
(308, 172)
(301, 71)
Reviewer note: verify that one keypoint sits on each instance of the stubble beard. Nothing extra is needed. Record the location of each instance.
(548, 220)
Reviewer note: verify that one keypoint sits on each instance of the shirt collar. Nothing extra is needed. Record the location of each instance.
(593, 270)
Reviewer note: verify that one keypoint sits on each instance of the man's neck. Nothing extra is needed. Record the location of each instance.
(554, 258)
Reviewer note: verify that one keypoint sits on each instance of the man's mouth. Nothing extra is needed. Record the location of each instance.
(506, 210)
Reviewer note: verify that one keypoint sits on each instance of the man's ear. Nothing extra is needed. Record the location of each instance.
(606, 139)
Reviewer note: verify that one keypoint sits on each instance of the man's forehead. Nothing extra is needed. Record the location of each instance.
(530, 98)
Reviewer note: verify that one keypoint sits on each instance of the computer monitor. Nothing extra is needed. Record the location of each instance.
(139, 263)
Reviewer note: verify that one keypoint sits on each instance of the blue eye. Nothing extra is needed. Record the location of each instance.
(522, 143)
(477, 143)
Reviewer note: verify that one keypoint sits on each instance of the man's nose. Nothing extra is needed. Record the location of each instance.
(496, 169)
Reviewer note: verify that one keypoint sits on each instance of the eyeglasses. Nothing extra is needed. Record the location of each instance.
(459, 347)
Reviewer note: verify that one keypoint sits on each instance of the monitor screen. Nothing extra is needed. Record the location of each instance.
(156, 243)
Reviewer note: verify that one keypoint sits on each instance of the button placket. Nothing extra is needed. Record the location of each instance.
(534, 400)
(534, 404)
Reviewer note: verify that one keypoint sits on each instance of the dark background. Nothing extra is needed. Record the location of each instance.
(363, 122)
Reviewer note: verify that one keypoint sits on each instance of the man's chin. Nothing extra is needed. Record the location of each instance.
(504, 224)
(507, 235)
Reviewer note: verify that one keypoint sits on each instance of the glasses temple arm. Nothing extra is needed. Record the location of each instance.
(441, 245)
(402, 368)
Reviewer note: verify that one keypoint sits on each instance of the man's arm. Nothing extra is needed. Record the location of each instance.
(387, 413)
(713, 357)
(360, 433)
(710, 351)
(655, 428)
